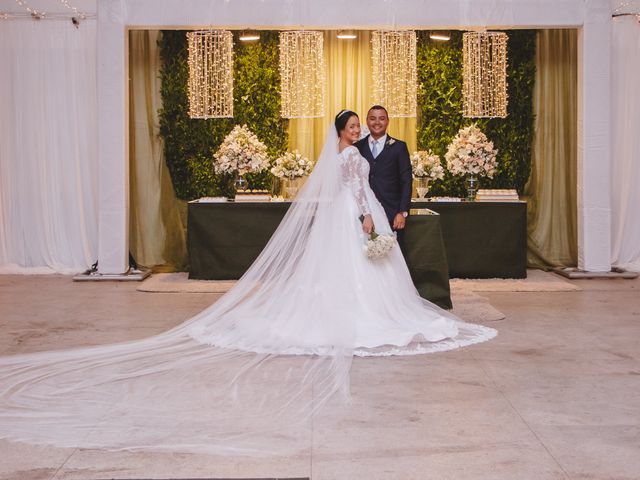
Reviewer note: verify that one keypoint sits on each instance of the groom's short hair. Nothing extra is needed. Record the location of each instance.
(378, 107)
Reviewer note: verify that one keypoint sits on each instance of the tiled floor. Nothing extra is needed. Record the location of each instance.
(555, 395)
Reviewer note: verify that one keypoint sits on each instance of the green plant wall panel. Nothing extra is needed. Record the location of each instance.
(190, 143)
(440, 109)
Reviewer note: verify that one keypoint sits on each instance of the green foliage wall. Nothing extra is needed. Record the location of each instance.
(440, 109)
(190, 143)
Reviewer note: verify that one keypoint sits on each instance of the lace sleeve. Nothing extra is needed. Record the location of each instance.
(354, 175)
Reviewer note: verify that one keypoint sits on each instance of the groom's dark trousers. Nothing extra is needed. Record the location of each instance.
(390, 177)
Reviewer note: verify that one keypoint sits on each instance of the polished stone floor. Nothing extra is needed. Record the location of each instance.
(555, 396)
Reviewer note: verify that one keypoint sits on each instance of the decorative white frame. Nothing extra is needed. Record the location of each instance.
(591, 17)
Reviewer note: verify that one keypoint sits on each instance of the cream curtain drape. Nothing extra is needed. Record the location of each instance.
(156, 225)
(48, 153)
(348, 85)
(551, 190)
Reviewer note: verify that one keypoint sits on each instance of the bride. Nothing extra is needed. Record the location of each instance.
(248, 374)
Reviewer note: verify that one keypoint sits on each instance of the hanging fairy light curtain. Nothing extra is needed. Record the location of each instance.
(302, 74)
(210, 74)
(484, 75)
(393, 59)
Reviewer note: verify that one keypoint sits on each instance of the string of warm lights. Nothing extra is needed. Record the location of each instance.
(32, 11)
(73, 9)
(35, 14)
(210, 74)
(620, 10)
(394, 72)
(302, 74)
(484, 75)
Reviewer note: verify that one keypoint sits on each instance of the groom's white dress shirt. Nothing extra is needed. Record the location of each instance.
(379, 144)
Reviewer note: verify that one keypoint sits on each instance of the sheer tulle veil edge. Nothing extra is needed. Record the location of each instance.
(234, 379)
(177, 391)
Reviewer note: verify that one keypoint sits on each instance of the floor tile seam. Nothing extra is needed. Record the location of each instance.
(586, 425)
(549, 373)
(59, 469)
(546, 292)
(633, 357)
(537, 437)
(633, 285)
(88, 435)
(599, 340)
(522, 419)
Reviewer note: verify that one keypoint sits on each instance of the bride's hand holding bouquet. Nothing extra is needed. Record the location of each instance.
(377, 246)
(367, 224)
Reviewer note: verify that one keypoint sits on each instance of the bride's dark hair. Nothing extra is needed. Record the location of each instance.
(342, 118)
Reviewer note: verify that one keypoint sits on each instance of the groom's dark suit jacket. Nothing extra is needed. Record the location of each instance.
(389, 175)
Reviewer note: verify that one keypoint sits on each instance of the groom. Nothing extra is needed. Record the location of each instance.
(390, 169)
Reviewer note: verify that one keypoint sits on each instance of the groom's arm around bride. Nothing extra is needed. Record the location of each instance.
(390, 168)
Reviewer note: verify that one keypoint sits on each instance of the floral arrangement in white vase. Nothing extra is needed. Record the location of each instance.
(292, 165)
(241, 152)
(426, 164)
(471, 153)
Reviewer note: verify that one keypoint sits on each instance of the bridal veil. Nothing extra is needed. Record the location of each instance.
(244, 376)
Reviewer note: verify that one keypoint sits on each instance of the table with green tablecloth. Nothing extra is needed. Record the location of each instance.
(466, 240)
(225, 238)
(483, 239)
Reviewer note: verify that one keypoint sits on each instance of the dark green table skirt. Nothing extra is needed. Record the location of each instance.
(225, 238)
(483, 239)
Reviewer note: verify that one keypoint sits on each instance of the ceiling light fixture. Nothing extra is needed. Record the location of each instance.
(249, 36)
(440, 36)
(393, 61)
(302, 74)
(347, 35)
(484, 75)
(210, 84)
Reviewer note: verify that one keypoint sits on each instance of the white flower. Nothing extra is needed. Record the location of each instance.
(426, 164)
(241, 152)
(379, 246)
(471, 152)
(292, 165)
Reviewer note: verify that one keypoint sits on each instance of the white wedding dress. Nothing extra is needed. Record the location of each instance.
(248, 374)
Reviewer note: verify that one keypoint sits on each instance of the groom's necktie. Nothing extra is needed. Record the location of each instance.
(374, 148)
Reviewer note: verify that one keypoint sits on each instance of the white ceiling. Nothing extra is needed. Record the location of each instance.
(89, 6)
(49, 6)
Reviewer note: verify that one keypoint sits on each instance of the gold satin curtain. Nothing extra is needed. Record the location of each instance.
(348, 85)
(551, 189)
(156, 217)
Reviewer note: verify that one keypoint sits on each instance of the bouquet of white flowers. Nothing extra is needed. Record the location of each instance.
(426, 164)
(241, 152)
(471, 153)
(378, 246)
(292, 165)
